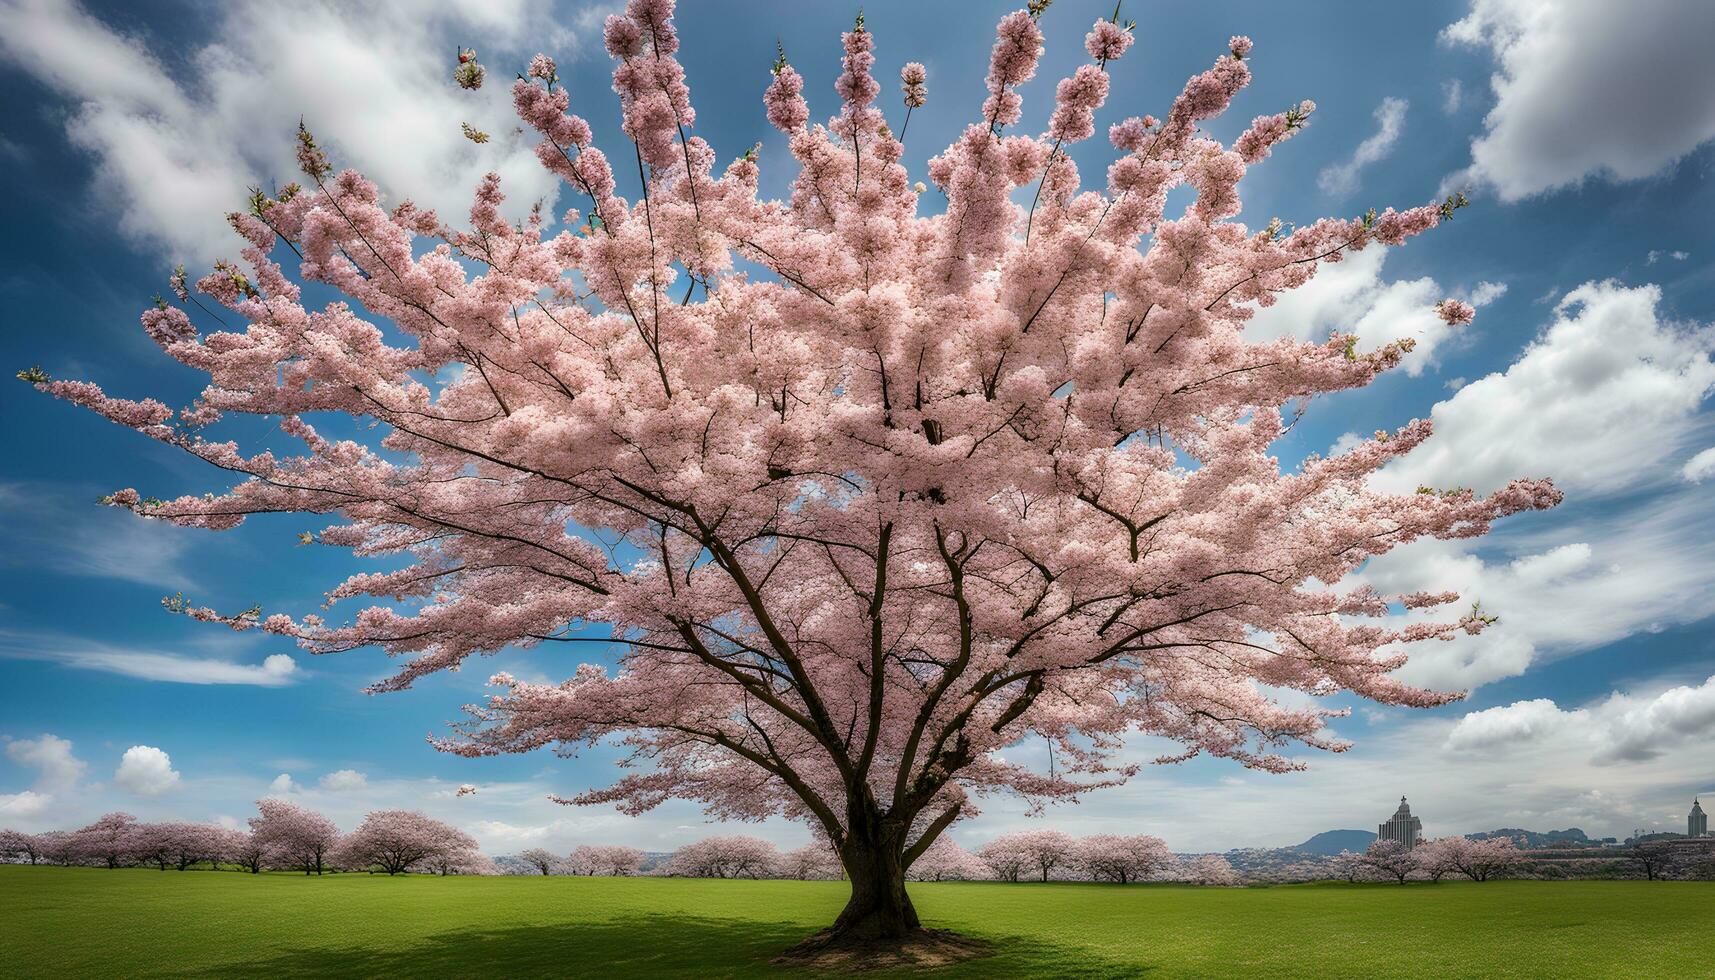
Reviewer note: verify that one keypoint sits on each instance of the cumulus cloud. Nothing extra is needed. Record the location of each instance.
(370, 77)
(1699, 467)
(275, 670)
(1589, 88)
(1352, 296)
(146, 771)
(51, 756)
(1340, 179)
(1602, 401)
(343, 781)
(1622, 728)
(283, 784)
(23, 805)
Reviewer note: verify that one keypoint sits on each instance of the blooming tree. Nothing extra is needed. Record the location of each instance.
(947, 860)
(900, 483)
(814, 860)
(1005, 858)
(294, 837)
(729, 856)
(245, 849)
(1480, 860)
(1212, 869)
(1042, 850)
(613, 859)
(1122, 858)
(15, 845)
(396, 841)
(1389, 859)
(541, 859)
(112, 841)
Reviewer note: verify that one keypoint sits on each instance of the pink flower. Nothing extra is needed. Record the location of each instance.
(1107, 41)
(1456, 313)
(911, 79)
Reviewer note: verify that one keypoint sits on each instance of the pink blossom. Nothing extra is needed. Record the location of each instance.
(1456, 313)
(1107, 41)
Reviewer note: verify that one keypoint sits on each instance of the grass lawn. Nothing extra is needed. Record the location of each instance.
(144, 923)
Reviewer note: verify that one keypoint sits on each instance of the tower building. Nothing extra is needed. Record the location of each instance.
(1697, 823)
(1402, 826)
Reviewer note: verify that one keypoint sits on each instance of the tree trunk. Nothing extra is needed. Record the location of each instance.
(879, 908)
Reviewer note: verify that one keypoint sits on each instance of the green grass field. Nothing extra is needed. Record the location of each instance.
(142, 923)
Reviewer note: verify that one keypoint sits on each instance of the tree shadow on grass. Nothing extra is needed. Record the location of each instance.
(635, 946)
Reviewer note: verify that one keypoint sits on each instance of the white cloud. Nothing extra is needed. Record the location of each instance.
(1622, 728)
(282, 784)
(1699, 467)
(1341, 179)
(343, 781)
(275, 670)
(51, 756)
(1606, 396)
(23, 805)
(1656, 255)
(1452, 96)
(1351, 296)
(1589, 88)
(146, 771)
(1576, 588)
(60, 529)
(371, 77)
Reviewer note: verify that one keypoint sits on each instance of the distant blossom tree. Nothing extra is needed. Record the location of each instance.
(1480, 860)
(15, 845)
(727, 856)
(245, 849)
(540, 858)
(947, 860)
(396, 841)
(1122, 858)
(1212, 869)
(294, 837)
(1005, 858)
(612, 859)
(813, 861)
(1043, 850)
(112, 841)
(898, 490)
(1389, 859)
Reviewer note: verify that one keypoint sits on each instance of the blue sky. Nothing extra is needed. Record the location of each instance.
(1584, 141)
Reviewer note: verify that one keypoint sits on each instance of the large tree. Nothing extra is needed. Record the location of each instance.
(866, 485)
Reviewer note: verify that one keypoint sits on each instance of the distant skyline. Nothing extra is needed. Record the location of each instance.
(1587, 250)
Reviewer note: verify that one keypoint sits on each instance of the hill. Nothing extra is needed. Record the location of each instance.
(1331, 842)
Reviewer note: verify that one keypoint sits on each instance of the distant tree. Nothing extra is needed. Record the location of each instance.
(1440, 857)
(1348, 866)
(614, 859)
(1005, 857)
(1122, 858)
(245, 849)
(1480, 860)
(540, 858)
(947, 860)
(395, 841)
(459, 861)
(1212, 869)
(735, 856)
(1655, 858)
(15, 845)
(1042, 850)
(1389, 859)
(152, 844)
(815, 860)
(56, 847)
(111, 841)
(295, 837)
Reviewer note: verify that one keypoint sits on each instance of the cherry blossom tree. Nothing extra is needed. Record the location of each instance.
(396, 841)
(1212, 869)
(814, 860)
(294, 837)
(1122, 858)
(947, 860)
(868, 484)
(727, 856)
(1389, 859)
(541, 859)
(15, 845)
(245, 849)
(112, 841)
(612, 859)
(460, 860)
(1042, 850)
(1439, 858)
(1005, 858)
(57, 847)
(1480, 860)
